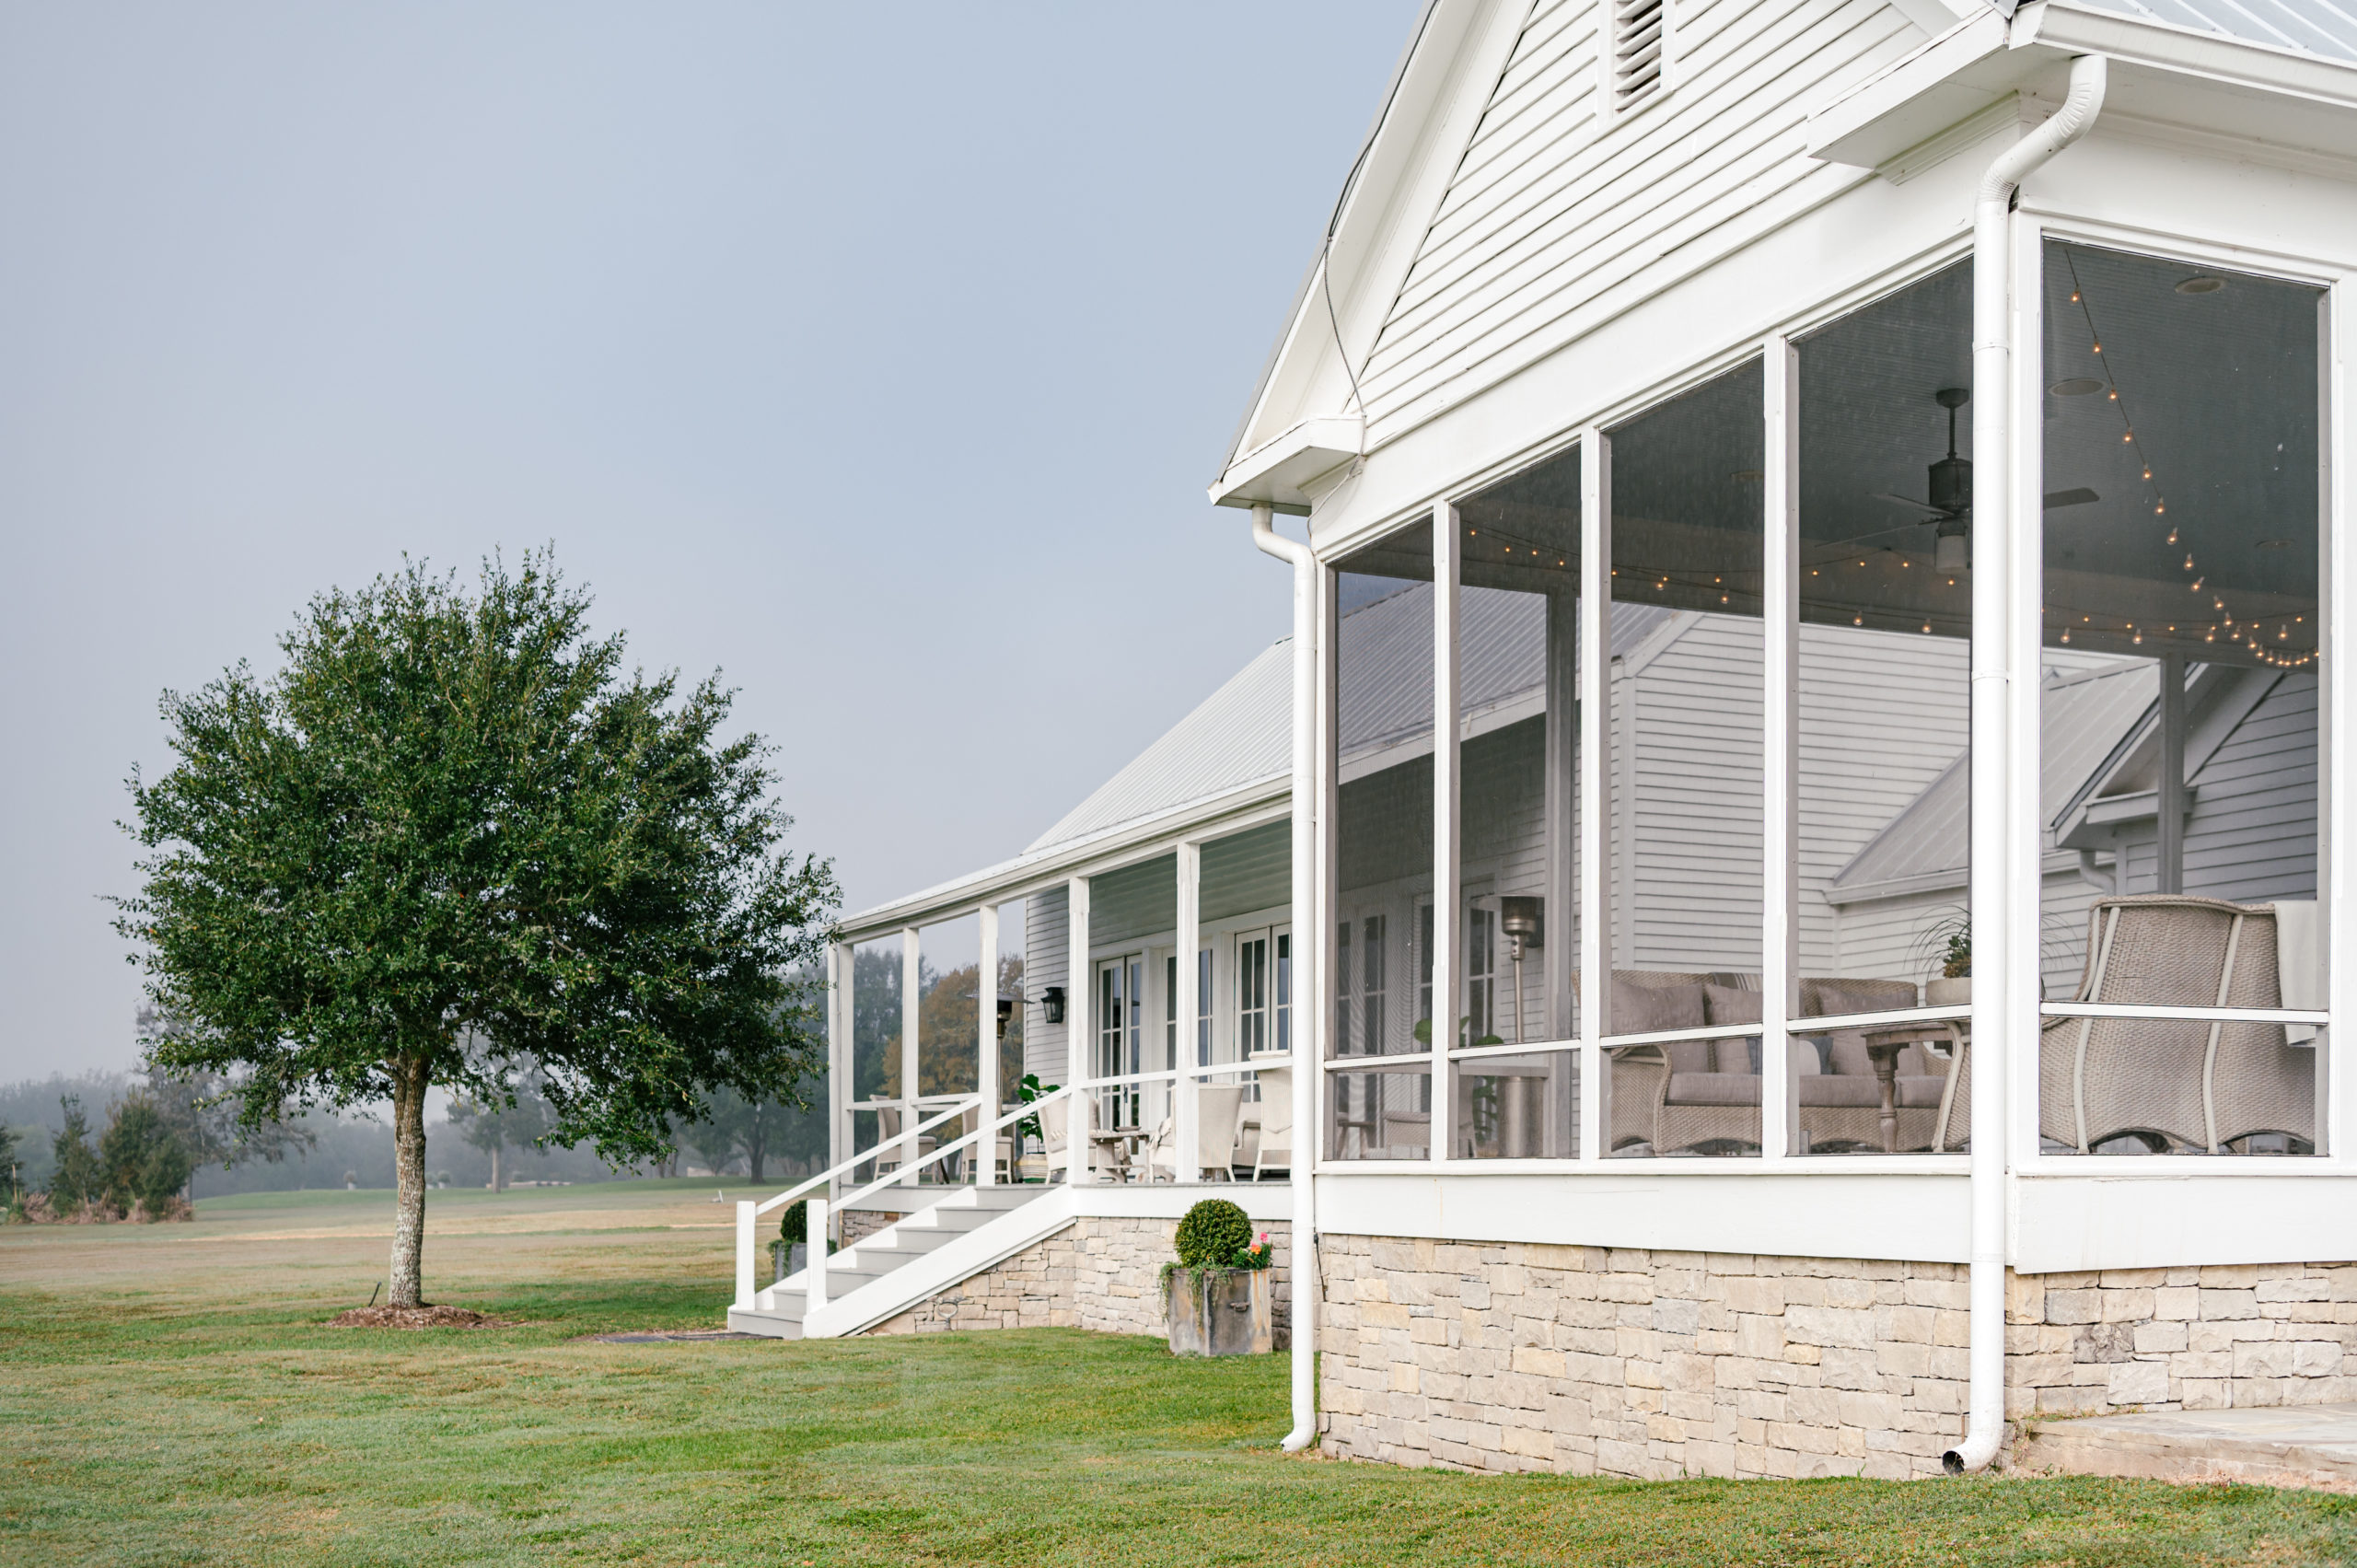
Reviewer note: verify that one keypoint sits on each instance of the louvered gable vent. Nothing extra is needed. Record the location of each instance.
(1637, 29)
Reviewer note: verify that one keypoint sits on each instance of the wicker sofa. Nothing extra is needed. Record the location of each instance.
(1703, 1097)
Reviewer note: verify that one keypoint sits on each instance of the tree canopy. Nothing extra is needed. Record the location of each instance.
(451, 841)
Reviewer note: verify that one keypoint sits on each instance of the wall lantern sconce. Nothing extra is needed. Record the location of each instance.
(1053, 1001)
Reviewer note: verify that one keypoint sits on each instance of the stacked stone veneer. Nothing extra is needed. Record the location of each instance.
(1603, 1361)
(1100, 1273)
(1608, 1361)
(2214, 1338)
(860, 1224)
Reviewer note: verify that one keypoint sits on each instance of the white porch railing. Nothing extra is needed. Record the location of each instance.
(1075, 1156)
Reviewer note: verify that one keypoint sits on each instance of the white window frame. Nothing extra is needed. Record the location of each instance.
(2027, 1010)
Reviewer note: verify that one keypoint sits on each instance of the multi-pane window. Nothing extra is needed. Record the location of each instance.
(1252, 995)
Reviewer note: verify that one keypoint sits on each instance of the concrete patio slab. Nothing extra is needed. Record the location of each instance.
(2305, 1445)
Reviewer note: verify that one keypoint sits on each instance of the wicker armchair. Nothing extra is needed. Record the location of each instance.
(2181, 1085)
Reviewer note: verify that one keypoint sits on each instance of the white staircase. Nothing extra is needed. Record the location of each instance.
(957, 1236)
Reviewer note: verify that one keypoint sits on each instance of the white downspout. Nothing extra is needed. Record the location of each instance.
(1306, 1007)
(1992, 692)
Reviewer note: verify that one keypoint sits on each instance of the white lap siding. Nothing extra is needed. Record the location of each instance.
(1046, 958)
(2253, 832)
(1556, 215)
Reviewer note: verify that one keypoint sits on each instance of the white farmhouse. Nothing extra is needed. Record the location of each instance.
(1774, 915)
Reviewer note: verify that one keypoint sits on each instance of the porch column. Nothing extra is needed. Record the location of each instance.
(1446, 776)
(1080, 994)
(1779, 621)
(839, 1061)
(984, 1155)
(911, 981)
(1188, 1006)
(1558, 958)
(1595, 789)
(2168, 868)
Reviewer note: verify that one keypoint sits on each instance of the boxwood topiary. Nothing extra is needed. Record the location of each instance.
(1211, 1236)
(794, 1224)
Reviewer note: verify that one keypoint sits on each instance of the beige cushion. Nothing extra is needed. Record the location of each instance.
(1649, 1009)
(1849, 1055)
(1725, 1005)
(1646, 1009)
(1714, 1088)
(1737, 1053)
(1832, 998)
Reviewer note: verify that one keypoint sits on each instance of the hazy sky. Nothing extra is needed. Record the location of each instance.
(878, 355)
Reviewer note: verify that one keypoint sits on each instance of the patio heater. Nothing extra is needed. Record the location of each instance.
(1006, 1012)
(1521, 918)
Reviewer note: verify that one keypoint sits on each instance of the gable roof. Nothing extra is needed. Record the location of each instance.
(2083, 717)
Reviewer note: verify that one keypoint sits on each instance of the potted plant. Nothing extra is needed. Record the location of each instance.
(1216, 1296)
(790, 1253)
(1953, 939)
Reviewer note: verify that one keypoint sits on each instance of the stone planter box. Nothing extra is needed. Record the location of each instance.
(1220, 1312)
(1947, 993)
(788, 1260)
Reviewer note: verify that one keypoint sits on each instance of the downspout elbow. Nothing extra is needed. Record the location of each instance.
(1292, 552)
(1992, 377)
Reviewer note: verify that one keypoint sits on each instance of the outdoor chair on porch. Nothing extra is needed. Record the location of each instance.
(2188, 1085)
(1685, 1095)
(1218, 1110)
(1271, 1141)
(953, 1166)
(1055, 1124)
(890, 1155)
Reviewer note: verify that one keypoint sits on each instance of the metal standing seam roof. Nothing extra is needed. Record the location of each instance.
(1243, 733)
(2083, 715)
(2309, 26)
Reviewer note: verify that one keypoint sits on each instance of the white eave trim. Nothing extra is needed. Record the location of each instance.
(1953, 77)
(1274, 472)
(1246, 806)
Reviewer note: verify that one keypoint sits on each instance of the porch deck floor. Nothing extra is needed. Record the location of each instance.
(2305, 1445)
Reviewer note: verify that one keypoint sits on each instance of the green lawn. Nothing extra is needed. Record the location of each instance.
(171, 1395)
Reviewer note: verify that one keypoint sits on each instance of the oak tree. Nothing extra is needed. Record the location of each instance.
(451, 838)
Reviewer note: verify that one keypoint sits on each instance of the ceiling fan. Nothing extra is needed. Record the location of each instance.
(1949, 510)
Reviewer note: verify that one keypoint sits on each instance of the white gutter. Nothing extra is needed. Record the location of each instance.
(1992, 760)
(1305, 1010)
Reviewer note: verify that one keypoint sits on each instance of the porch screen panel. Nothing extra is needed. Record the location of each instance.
(1683, 885)
(2181, 719)
(1379, 1104)
(1882, 717)
(1519, 564)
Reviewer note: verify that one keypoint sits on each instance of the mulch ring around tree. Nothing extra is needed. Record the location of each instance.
(418, 1318)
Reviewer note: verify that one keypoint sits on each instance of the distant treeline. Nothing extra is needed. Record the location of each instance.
(356, 1143)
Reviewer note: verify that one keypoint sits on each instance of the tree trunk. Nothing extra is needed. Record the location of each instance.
(498, 1181)
(408, 1181)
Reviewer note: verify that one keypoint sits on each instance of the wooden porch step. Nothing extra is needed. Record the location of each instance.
(2305, 1445)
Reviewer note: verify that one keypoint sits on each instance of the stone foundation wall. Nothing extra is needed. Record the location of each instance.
(1652, 1365)
(1593, 1361)
(1096, 1274)
(2181, 1339)
(860, 1224)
